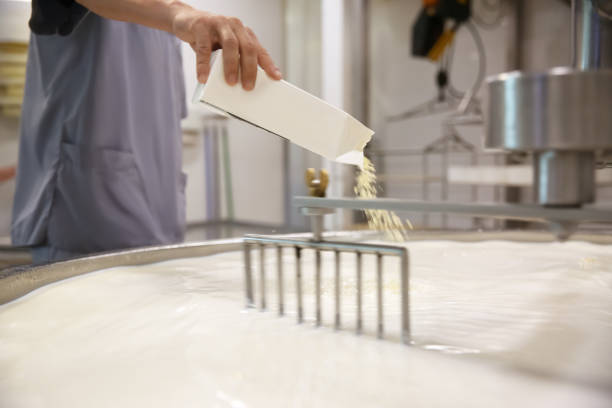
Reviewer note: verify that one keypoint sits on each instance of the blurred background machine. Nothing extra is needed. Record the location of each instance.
(561, 117)
(557, 116)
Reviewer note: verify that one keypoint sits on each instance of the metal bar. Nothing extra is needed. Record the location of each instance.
(359, 326)
(211, 163)
(262, 274)
(337, 290)
(444, 182)
(425, 186)
(405, 297)
(279, 280)
(515, 211)
(476, 222)
(227, 170)
(325, 245)
(248, 276)
(379, 294)
(298, 283)
(318, 286)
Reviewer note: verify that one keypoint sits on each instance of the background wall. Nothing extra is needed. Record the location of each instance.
(14, 15)
(400, 82)
(256, 156)
(302, 37)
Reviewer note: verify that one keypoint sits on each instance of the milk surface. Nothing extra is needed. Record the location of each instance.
(494, 324)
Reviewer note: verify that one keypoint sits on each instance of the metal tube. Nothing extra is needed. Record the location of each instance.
(262, 274)
(337, 290)
(359, 325)
(318, 286)
(379, 294)
(591, 34)
(405, 296)
(248, 277)
(476, 222)
(316, 225)
(425, 186)
(298, 283)
(501, 210)
(279, 280)
(444, 177)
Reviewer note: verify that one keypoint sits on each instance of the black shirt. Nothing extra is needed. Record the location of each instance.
(55, 16)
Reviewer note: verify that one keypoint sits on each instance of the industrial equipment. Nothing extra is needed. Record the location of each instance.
(561, 116)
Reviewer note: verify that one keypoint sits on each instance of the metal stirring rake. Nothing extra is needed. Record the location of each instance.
(319, 246)
(317, 189)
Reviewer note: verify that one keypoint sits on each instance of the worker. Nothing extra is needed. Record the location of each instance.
(100, 150)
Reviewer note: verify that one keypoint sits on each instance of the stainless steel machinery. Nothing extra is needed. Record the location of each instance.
(562, 116)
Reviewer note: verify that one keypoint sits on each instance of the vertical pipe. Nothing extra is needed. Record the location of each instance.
(318, 286)
(445, 177)
(227, 170)
(574, 34)
(279, 280)
(337, 290)
(405, 296)
(592, 34)
(298, 284)
(379, 294)
(425, 186)
(316, 225)
(359, 325)
(476, 222)
(211, 163)
(248, 278)
(262, 274)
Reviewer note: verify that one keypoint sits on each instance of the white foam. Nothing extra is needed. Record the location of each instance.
(507, 324)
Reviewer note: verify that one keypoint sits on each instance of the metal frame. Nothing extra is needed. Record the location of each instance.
(261, 242)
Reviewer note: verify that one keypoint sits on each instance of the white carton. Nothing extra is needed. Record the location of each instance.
(288, 111)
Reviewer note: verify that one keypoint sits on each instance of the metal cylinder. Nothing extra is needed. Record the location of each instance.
(561, 109)
(563, 117)
(564, 178)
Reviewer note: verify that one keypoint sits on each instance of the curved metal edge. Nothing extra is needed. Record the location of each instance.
(19, 281)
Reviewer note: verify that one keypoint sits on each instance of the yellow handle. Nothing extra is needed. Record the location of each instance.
(438, 49)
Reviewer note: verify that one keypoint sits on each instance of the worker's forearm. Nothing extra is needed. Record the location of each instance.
(204, 31)
(158, 14)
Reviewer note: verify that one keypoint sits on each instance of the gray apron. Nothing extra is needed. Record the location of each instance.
(100, 151)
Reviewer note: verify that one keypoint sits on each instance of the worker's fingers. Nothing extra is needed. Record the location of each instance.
(203, 48)
(231, 55)
(248, 57)
(263, 58)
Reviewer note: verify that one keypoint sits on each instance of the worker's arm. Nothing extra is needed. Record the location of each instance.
(204, 31)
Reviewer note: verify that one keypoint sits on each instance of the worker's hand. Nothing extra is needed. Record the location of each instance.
(7, 173)
(242, 52)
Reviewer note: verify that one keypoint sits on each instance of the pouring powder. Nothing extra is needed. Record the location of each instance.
(380, 220)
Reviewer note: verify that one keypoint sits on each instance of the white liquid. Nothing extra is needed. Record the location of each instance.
(517, 324)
